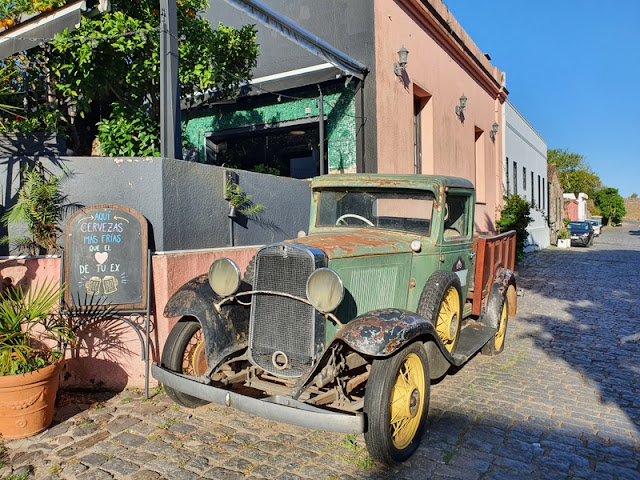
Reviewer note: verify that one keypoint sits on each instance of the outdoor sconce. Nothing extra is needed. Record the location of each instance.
(463, 104)
(577, 193)
(494, 131)
(400, 66)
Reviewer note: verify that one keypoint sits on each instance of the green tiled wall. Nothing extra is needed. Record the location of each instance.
(339, 108)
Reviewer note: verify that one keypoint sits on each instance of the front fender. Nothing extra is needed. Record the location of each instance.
(383, 332)
(223, 332)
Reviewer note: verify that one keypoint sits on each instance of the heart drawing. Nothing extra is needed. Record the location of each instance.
(101, 257)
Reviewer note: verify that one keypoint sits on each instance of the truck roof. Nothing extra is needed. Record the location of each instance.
(381, 180)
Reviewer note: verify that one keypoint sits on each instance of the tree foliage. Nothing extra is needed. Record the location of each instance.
(108, 70)
(10, 10)
(515, 216)
(574, 172)
(611, 205)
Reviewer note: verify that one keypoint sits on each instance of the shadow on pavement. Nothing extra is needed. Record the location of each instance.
(593, 322)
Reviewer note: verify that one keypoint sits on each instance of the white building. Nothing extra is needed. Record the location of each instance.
(525, 173)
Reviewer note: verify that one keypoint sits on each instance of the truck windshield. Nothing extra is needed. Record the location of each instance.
(403, 210)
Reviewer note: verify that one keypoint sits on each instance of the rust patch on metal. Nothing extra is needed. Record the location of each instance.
(186, 297)
(383, 332)
(356, 243)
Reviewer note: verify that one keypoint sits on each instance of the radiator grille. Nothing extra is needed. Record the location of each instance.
(374, 288)
(279, 323)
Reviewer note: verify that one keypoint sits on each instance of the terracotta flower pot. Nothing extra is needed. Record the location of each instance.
(27, 401)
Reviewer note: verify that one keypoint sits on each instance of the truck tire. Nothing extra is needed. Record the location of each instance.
(441, 304)
(396, 403)
(184, 353)
(495, 345)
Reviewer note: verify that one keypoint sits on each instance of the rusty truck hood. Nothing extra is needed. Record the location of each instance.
(357, 243)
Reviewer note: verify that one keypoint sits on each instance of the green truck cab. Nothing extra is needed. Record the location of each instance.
(343, 329)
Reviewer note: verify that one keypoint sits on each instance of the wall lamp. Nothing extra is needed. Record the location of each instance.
(400, 66)
(494, 131)
(463, 104)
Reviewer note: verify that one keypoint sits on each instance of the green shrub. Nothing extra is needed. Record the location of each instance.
(563, 234)
(515, 216)
(128, 132)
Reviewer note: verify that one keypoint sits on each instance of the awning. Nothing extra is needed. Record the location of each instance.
(43, 26)
(272, 83)
(296, 34)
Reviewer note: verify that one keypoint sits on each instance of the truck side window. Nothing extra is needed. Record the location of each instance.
(455, 222)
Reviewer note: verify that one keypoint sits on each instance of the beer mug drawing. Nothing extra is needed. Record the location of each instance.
(93, 285)
(109, 284)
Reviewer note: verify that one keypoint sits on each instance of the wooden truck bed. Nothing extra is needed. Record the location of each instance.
(492, 252)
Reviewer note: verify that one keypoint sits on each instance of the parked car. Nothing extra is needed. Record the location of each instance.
(344, 329)
(597, 226)
(581, 233)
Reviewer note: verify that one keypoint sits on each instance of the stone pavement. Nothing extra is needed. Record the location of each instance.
(562, 401)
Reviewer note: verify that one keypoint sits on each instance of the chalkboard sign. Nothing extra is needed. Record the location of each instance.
(106, 258)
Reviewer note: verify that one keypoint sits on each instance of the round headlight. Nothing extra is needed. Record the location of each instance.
(224, 277)
(325, 290)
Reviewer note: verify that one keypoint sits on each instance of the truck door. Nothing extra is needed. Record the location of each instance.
(456, 245)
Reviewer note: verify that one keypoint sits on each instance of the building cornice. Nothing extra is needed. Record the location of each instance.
(449, 33)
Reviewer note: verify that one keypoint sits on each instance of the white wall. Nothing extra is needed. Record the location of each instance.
(528, 149)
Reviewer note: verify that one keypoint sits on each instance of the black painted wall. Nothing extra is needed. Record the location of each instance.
(347, 25)
(183, 201)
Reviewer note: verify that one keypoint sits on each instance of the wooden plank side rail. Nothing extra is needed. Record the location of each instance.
(492, 252)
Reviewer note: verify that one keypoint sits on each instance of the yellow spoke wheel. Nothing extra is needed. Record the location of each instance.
(502, 328)
(194, 361)
(183, 352)
(448, 323)
(441, 304)
(407, 402)
(396, 404)
(496, 344)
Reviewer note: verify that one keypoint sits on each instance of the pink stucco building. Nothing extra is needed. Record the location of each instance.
(419, 129)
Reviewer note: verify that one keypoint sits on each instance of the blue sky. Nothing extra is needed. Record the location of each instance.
(573, 71)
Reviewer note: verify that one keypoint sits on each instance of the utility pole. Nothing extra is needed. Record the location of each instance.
(323, 170)
(170, 128)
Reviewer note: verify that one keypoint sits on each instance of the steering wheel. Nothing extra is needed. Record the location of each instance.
(340, 220)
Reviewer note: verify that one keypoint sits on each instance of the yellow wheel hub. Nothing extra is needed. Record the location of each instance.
(195, 360)
(448, 318)
(502, 328)
(407, 402)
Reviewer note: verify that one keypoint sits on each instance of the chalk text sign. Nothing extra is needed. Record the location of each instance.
(106, 258)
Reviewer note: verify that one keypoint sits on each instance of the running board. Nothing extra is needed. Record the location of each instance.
(472, 338)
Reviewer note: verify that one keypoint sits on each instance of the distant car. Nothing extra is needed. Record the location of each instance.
(597, 226)
(581, 233)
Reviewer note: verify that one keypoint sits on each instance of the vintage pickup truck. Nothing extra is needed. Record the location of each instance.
(343, 329)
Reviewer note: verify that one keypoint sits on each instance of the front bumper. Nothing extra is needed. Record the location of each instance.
(277, 407)
(579, 240)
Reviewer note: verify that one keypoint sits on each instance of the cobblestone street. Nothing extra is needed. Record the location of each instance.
(562, 401)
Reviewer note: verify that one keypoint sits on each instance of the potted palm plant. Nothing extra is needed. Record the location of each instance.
(32, 333)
